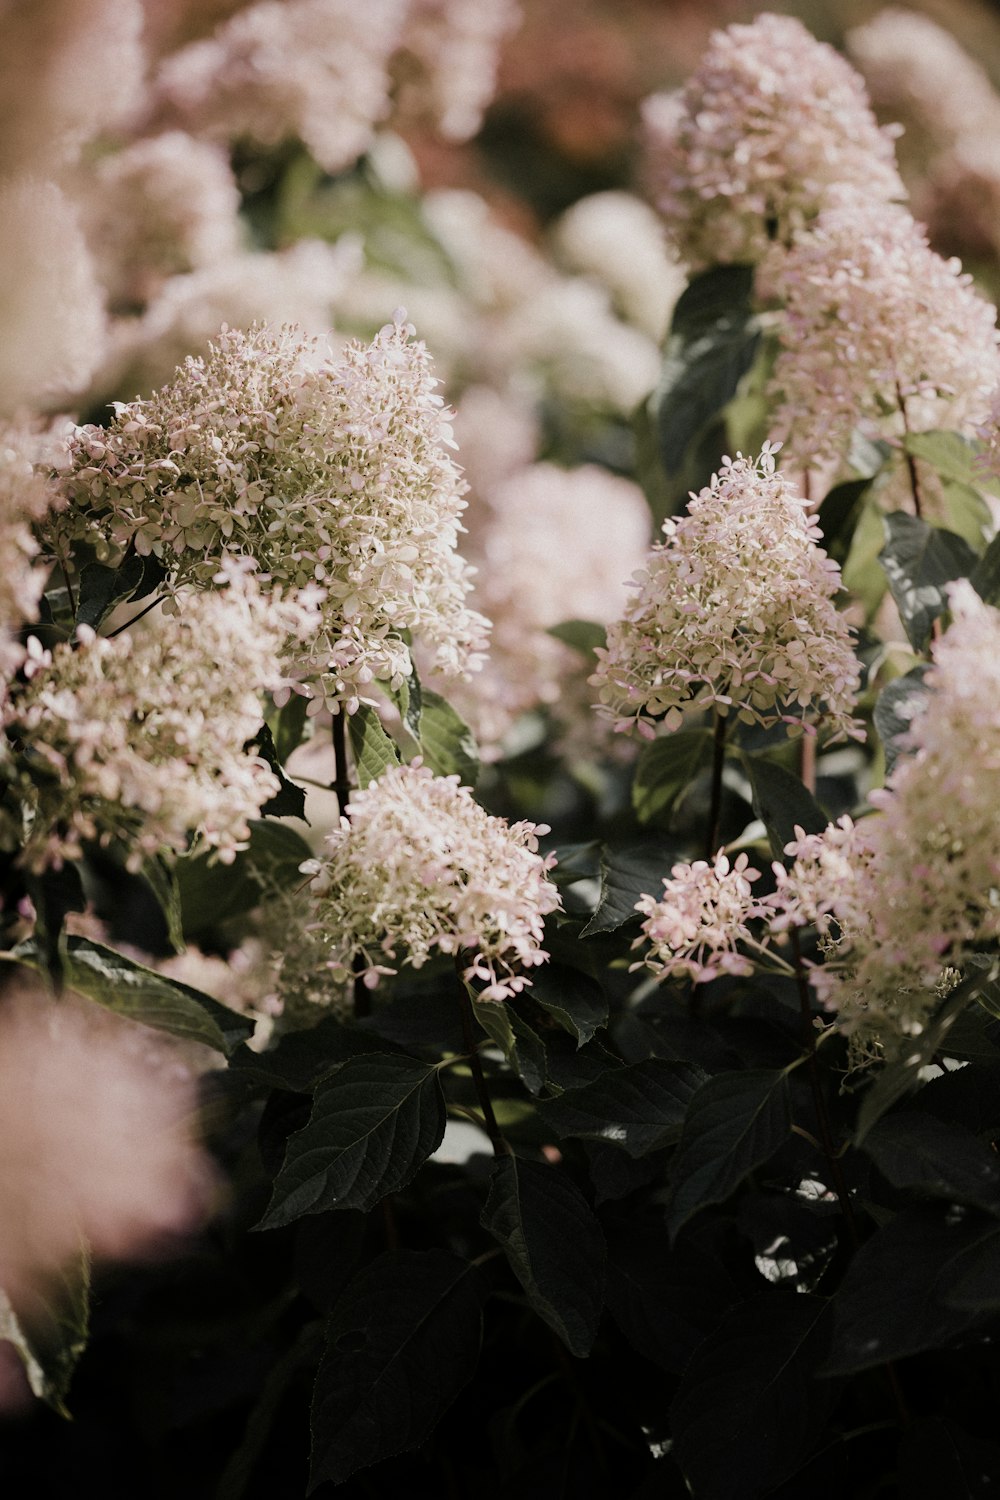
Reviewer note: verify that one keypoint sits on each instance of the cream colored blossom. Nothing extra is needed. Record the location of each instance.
(877, 324)
(702, 916)
(456, 45)
(27, 493)
(331, 473)
(746, 153)
(734, 609)
(421, 868)
(618, 240)
(146, 739)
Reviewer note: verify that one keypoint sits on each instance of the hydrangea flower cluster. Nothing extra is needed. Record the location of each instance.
(735, 609)
(879, 332)
(416, 867)
(456, 43)
(146, 738)
(26, 495)
(748, 151)
(695, 927)
(330, 474)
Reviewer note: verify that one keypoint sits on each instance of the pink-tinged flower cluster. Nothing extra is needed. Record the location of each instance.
(330, 473)
(27, 493)
(695, 928)
(422, 868)
(734, 610)
(879, 333)
(748, 151)
(97, 1142)
(456, 45)
(316, 70)
(145, 740)
(823, 887)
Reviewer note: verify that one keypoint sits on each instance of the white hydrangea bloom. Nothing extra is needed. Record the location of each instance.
(877, 328)
(618, 240)
(27, 493)
(695, 927)
(734, 610)
(418, 867)
(331, 473)
(141, 739)
(456, 43)
(748, 150)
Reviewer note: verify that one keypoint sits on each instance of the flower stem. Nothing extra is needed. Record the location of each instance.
(476, 1069)
(715, 805)
(911, 463)
(341, 788)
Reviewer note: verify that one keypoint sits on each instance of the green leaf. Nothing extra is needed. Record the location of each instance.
(913, 1150)
(898, 703)
(374, 1123)
(985, 576)
(664, 1301)
(302, 1059)
(583, 635)
(966, 513)
(749, 1407)
(735, 1123)
(102, 588)
(290, 800)
(54, 893)
(639, 1108)
(51, 1347)
(408, 698)
(919, 560)
(211, 892)
(974, 1275)
(554, 1244)
(893, 1300)
(522, 1048)
(936, 1458)
(712, 344)
(862, 573)
(289, 726)
(402, 1341)
(575, 1000)
(782, 803)
(951, 454)
(839, 514)
(162, 881)
(666, 768)
(122, 985)
(373, 751)
(626, 874)
(446, 741)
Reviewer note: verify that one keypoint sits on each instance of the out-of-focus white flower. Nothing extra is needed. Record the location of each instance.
(748, 151)
(421, 867)
(52, 319)
(97, 1142)
(142, 739)
(734, 610)
(618, 240)
(69, 69)
(497, 434)
(696, 926)
(27, 493)
(337, 474)
(879, 333)
(312, 69)
(456, 44)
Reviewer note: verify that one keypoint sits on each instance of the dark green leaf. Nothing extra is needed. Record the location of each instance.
(893, 1299)
(640, 1107)
(839, 515)
(288, 726)
(239, 1471)
(402, 1341)
(938, 1459)
(446, 741)
(575, 1000)
(627, 874)
(290, 800)
(966, 513)
(374, 1123)
(211, 892)
(583, 635)
(303, 1058)
(54, 892)
(782, 803)
(735, 1123)
(985, 576)
(919, 560)
(750, 1407)
(974, 1276)
(122, 985)
(522, 1048)
(408, 698)
(913, 1150)
(666, 768)
(554, 1244)
(51, 1346)
(951, 454)
(664, 1301)
(162, 881)
(373, 751)
(897, 705)
(102, 588)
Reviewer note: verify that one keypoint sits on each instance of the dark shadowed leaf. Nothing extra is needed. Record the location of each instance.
(840, 513)
(373, 751)
(897, 705)
(289, 725)
(210, 891)
(974, 1276)
(554, 1244)
(914, 1150)
(290, 800)
(985, 576)
(782, 802)
(627, 874)
(520, 1045)
(583, 635)
(750, 1406)
(50, 1345)
(402, 1342)
(666, 768)
(919, 560)
(101, 587)
(447, 744)
(936, 1458)
(302, 1058)
(161, 878)
(374, 1123)
(640, 1107)
(735, 1122)
(665, 1302)
(573, 999)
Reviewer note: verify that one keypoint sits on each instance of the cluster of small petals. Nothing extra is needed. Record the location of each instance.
(456, 43)
(337, 474)
(146, 738)
(824, 885)
(312, 69)
(96, 1140)
(27, 493)
(747, 152)
(422, 868)
(735, 609)
(695, 928)
(876, 322)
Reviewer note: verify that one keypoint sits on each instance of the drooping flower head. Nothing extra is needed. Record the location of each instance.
(735, 609)
(875, 322)
(331, 473)
(695, 927)
(422, 868)
(146, 739)
(746, 153)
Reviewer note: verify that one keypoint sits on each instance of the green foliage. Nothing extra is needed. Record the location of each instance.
(919, 560)
(372, 750)
(665, 770)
